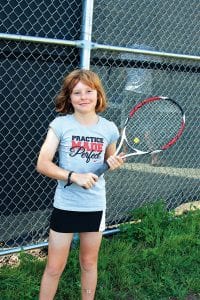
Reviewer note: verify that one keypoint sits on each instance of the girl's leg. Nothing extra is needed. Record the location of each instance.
(58, 250)
(89, 249)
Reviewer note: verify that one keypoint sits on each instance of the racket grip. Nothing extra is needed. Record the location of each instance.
(102, 169)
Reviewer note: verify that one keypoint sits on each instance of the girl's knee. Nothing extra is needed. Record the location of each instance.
(88, 264)
(54, 271)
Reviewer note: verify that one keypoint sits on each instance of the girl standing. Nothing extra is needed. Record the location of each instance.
(84, 140)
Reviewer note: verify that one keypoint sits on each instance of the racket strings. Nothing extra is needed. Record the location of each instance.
(153, 125)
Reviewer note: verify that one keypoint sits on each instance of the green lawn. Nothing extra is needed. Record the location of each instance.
(155, 259)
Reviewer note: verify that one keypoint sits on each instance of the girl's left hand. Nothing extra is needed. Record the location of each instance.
(115, 161)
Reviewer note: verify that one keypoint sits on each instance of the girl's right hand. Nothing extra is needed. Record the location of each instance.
(86, 180)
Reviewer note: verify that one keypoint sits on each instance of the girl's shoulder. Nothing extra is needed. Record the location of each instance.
(60, 123)
(61, 119)
(109, 129)
(107, 122)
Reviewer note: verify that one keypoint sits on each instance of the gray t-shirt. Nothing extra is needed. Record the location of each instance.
(82, 150)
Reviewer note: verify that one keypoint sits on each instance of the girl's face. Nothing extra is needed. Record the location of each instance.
(83, 98)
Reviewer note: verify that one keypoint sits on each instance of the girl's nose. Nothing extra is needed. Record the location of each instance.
(83, 94)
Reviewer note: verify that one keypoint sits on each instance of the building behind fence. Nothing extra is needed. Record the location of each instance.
(139, 48)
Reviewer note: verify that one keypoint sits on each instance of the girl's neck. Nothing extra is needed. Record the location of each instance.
(87, 119)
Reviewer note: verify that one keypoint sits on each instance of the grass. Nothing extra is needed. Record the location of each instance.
(155, 259)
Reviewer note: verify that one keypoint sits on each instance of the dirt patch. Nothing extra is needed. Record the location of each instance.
(13, 260)
(185, 207)
(9, 260)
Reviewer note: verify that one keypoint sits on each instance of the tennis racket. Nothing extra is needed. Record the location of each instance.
(153, 125)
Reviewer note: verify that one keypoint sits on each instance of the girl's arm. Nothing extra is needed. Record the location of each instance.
(47, 167)
(45, 164)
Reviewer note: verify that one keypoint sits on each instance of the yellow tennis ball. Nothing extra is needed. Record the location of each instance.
(136, 140)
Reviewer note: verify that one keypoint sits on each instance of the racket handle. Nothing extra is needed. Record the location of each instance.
(102, 169)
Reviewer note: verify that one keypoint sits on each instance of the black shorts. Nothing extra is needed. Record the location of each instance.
(77, 221)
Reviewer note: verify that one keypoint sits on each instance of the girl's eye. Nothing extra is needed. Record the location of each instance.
(78, 92)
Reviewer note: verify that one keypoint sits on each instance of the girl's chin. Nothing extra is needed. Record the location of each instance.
(85, 108)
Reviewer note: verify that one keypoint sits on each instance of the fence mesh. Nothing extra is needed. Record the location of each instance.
(160, 25)
(52, 19)
(176, 176)
(31, 75)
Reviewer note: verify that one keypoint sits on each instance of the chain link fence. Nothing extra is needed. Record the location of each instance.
(139, 49)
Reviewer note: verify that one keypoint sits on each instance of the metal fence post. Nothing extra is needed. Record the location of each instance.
(86, 33)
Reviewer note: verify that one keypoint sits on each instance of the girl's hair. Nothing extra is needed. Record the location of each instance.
(63, 101)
